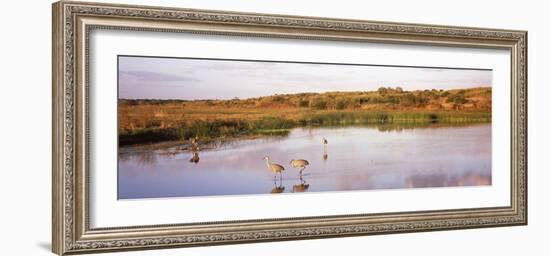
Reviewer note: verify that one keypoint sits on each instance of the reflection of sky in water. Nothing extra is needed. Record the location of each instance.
(357, 159)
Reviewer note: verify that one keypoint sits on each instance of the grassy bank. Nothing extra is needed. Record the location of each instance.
(151, 121)
(279, 125)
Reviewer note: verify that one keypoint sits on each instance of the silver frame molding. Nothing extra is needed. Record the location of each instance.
(72, 23)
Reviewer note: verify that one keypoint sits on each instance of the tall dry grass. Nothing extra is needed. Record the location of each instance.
(147, 121)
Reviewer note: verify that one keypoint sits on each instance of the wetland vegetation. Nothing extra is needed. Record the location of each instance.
(151, 121)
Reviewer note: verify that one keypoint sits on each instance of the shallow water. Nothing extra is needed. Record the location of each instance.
(355, 158)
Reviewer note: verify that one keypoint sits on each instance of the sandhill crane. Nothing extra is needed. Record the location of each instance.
(325, 143)
(275, 168)
(299, 163)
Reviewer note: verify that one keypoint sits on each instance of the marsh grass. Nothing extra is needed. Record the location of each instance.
(273, 125)
(152, 121)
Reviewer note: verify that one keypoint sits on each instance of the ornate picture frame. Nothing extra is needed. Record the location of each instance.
(72, 24)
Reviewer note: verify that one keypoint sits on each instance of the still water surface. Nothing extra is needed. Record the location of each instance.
(355, 158)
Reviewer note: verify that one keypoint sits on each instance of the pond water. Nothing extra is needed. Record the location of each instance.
(355, 158)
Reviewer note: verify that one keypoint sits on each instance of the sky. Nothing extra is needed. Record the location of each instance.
(195, 79)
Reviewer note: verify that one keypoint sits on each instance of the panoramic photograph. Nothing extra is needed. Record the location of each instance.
(191, 127)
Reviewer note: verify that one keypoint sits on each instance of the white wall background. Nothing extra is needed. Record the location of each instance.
(25, 114)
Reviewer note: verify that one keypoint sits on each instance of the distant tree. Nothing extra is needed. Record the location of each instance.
(383, 90)
(398, 89)
(392, 99)
(457, 99)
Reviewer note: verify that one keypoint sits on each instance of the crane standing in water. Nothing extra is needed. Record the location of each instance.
(195, 150)
(325, 143)
(273, 167)
(299, 163)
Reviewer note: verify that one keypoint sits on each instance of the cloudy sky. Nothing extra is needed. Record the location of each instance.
(172, 78)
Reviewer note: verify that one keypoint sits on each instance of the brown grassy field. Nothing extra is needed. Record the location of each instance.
(148, 121)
